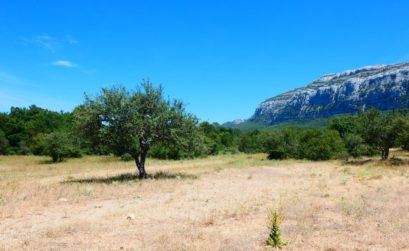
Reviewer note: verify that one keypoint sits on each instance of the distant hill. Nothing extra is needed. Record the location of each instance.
(382, 86)
(251, 125)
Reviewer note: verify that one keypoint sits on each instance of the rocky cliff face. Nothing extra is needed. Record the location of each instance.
(383, 86)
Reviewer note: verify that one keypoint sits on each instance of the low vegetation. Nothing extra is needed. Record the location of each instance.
(274, 221)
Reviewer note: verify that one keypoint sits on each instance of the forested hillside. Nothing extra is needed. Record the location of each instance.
(38, 131)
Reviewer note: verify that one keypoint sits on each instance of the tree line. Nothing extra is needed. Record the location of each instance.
(142, 123)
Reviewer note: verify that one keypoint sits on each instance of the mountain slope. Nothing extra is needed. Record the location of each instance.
(383, 86)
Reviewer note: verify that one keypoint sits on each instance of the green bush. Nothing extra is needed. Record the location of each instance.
(165, 152)
(321, 144)
(277, 154)
(252, 142)
(60, 145)
(218, 139)
(356, 146)
(274, 145)
(126, 157)
(283, 144)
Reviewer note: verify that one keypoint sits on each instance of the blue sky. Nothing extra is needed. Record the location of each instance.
(221, 57)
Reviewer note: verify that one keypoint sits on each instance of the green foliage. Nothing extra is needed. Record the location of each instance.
(248, 126)
(363, 134)
(134, 122)
(349, 128)
(24, 128)
(312, 144)
(283, 144)
(301, 124)
(218, 139)
(384, 130)
(320, 144)
(345, 125)
(87, 125)
(372, 131)
(251, 142)
(174, 152)
(4, 143)
(126, 157)
(274, 238)
(356, 146)
(142, 123)
(165, 152)
(404, 140)
(275, 147)
(60, 145)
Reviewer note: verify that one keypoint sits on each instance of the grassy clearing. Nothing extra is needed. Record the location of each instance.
(215, 203)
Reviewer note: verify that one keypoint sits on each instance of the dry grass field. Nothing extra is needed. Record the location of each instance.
(216, 203)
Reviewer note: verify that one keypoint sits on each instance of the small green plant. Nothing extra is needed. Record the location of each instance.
(274, 220)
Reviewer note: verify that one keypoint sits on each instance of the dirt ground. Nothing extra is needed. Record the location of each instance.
(217, 203)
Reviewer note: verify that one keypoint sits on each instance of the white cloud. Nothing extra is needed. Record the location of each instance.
(64, 63)
(47, 42)
(52, 44)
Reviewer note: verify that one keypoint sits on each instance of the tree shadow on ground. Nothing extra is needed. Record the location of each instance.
(393, 161)
(359, 162)
(132, 177)
(47, 162)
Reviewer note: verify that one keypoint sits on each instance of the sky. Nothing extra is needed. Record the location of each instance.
(220, 57)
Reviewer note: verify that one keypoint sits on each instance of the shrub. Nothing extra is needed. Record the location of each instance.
(165, 152)
(277, 154)
(274, 238)
(283, 144)
(356, 146)
(59, 145)
(321, 144)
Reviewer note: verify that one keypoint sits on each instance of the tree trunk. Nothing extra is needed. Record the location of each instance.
(385, 153)
(142, 172)
(140, 163)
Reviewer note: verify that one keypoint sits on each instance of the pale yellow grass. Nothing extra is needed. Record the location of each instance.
(217, 203)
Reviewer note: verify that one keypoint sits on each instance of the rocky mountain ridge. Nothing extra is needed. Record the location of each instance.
(382, 86)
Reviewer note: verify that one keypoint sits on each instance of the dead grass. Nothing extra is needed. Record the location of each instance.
(217, 203)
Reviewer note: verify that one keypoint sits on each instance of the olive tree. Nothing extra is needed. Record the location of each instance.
(384, 129)
(134, 121)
